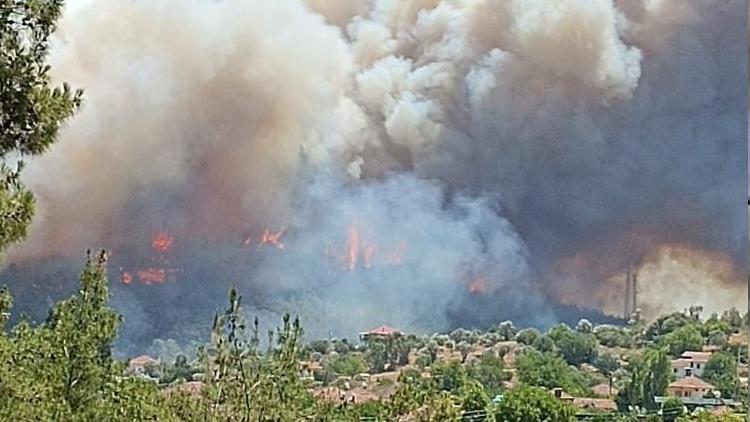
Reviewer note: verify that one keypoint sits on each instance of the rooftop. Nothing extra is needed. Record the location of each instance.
(142, 360)
(696, 356)
(691, 382)
(383, 330)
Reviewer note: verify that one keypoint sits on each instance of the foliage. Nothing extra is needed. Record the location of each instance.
(531, 404)
(721, 371)
(687, 337)
(575, 347)
(648, 376)
(611, 336)
(474, 399)
(244, 384)
(733, 319)
(31, 111)
(489, 372)
(550, 371)
(449, 376)
(672, 409)
(545, 344)
(506, 330)
(528, 336)
(376, 357)
(439, 407)
(665, 324)
(63, 369)
(350, 364)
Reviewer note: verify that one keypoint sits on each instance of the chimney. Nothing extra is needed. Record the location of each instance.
(634, 289)
(628, 294)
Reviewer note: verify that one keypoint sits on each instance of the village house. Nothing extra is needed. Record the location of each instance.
(381, 333)
(689, 387)
(695, 393)
(139, 365)
(690, 364)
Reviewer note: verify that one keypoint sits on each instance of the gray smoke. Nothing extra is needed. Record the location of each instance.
(524, 151)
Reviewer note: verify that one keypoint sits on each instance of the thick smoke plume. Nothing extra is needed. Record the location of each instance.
(523, 151)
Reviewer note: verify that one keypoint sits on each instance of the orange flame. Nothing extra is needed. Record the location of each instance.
(153, 275)
(352, 247)
(274, 239)
(127, 278)
(161, 242)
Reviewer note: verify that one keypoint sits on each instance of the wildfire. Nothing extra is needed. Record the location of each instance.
(161, 242)
(153, 275)
(478, 285)
(352, 247)
(157, 268)
(273, 239)
(359, 251)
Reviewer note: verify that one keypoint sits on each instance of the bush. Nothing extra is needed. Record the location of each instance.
(531, 404)
(528, 336)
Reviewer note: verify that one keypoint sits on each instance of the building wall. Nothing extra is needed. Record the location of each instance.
(695, 393)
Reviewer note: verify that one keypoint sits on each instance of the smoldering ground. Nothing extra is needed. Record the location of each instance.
(534, 148)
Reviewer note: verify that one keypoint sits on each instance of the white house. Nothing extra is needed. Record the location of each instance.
(690, 364)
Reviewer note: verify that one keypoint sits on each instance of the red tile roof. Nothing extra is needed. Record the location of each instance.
(383, 330)
(691, 382)
(142, 360)
(681, 363)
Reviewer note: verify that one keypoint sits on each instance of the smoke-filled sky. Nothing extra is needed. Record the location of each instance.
(522, 150)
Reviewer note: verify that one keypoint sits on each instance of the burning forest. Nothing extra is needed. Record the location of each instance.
(421, 163)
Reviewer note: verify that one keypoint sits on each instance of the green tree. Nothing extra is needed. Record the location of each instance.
(665, 324)
(506, 330)
(550, 371)
(687, 337)
(648, 377)
(474, 401)
(528, 336)
(376, 356)
(438, 407)
(350, 364)
(31, 110)
(672, 409)
(611, 336)
(489, 372)
(449, 376)
(464, 348)
(531, 404)
(545, 344)
(733, 318)
(63, 369)
(607, 365)
(721, 371)
(575, 347)
(244, 384)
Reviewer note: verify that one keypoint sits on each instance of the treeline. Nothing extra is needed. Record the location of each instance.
(63, 369)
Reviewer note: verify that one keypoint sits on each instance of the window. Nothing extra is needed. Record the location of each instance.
(699, 365)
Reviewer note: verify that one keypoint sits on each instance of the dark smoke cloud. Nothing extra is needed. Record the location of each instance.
(522, 151)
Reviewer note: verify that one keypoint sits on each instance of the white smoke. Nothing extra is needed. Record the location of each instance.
(509, 137)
